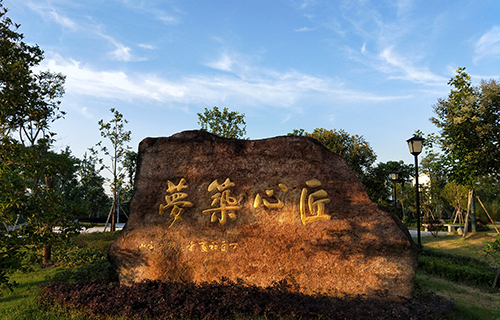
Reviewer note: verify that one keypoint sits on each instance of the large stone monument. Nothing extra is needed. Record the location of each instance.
(263, 211)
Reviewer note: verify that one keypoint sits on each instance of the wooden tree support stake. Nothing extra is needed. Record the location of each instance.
(488, 215)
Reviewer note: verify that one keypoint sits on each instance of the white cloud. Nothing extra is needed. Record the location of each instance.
(404, 69)
(253, 87)
(488, 45)
(168, 19)
(122, 53)
(46, 10)
(147, 46)
(286, 118)
(224, 63)
(86, 113)
(305, 29)
(363, 48)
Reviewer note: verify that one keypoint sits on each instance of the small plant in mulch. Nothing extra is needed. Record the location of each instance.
(229, 300)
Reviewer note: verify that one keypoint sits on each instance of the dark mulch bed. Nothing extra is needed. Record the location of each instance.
(229, 300)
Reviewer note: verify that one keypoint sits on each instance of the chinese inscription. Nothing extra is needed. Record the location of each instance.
(270, 193)
(222, 201)
(311, 207)
(316, 207)
(194, 246)
(174, 199)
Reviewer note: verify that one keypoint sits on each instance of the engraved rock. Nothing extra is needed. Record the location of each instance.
(283, 208)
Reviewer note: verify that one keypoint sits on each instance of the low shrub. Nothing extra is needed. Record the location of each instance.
(456, 268)
(98, 271)
(229, 300)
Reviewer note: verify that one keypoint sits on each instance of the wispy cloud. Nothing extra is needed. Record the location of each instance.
(305, 29)
(147, 46)
(168, 19)
(254, 87)
(488, 46)
(49, 12)
(403, 68)
(120, 52)
(224, 63)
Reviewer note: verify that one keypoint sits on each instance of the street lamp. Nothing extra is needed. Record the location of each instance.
(394, 175)
(416, 144)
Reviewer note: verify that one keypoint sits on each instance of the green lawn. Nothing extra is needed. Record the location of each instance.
(472, 301)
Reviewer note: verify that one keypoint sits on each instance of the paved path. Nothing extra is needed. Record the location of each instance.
(119, 226)
(414, 234)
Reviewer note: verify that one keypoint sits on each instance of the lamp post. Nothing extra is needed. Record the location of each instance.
(416, 144)
(394, 175)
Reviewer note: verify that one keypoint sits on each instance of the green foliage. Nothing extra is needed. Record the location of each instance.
(455, 197)
(455, 268)
(32, 200)
(379, 185)
(353, 148)
(488, 191)
(28, 101)
(297, 133)
(227, 124)
(492, 249)
(470, 130)
(119, 155)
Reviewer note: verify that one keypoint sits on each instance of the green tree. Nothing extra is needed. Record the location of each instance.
(29, 169)
(115, 132)
(488, 190)
(469, 132)
(353, 148)
(227, 124)
(456, 197)
(92, 184)
(380, 187)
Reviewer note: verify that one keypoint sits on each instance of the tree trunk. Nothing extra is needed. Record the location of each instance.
(467, 215)
(496, 278)
(47, 252)
(113, 219)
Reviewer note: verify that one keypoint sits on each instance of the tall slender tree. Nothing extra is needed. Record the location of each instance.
(115, 132)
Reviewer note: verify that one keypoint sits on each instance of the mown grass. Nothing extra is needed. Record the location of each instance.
(472, 301)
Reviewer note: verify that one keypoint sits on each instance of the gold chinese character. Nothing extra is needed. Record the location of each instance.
(227, 204)
(316, 208)
(190, 247)
(203, 246)
(270, 193)
(175, 201)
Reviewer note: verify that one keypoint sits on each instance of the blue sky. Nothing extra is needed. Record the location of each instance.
(372, 68)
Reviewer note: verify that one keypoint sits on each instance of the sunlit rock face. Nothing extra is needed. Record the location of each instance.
(206, 207)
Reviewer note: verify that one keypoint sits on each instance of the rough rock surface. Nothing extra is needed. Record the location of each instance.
(206, 207)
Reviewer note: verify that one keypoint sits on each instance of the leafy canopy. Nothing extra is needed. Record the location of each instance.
(353, 148)
(469, 123)
(227, 124)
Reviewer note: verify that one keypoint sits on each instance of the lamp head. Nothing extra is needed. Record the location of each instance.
(394, 175)
(416, 145)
